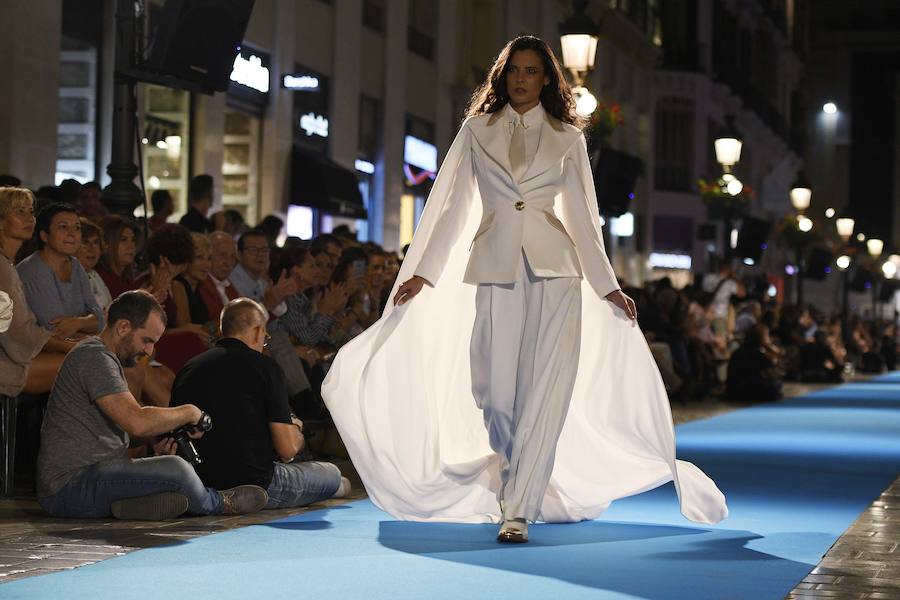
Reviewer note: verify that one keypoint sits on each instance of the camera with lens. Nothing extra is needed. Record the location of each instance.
(186, 448)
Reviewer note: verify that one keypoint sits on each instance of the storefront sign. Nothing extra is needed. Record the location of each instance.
(314, 124)
(250, 72)
(364, 166)
(662, 260)
(306, 83)
(623, 226)
(419, 153)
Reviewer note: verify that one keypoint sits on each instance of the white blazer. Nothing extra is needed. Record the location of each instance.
(519, 215)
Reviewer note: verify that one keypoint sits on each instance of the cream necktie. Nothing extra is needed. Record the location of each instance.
(517, 148)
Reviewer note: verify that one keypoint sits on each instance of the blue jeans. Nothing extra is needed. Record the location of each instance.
(301, 483)
(93, 489)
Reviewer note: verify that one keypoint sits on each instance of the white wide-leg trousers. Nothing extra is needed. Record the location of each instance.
(525, 345)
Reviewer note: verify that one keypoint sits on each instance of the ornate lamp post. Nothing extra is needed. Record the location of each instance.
(875, 247)
(728, 153)
(844, 226)
(579, 36)
(801, 196)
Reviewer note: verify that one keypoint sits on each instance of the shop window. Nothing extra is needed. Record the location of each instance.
(674, 144)
(77, 123)
(164, 127)
(240, 164)
(422, 29)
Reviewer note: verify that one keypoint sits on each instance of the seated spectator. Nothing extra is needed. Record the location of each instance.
(327, 250)
(10, 181)
(90, 202)
(169, 252)
(217, 221)
(83, 466)
(190, 307)
(245, 393)
(360, 311)
(88, 255)
(752, 377)
(271, 226)
(200, 200)
(250, 276)
(56, 285)
(163, 206)
(818, 362)
(309, 331)
(116, 266)
(748, 317)
(234, 223)
(21, 344)
(217, 290)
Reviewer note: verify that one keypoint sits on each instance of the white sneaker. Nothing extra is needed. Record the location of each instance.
(343, 489)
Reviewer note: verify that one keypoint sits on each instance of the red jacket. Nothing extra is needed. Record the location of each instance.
(211, 298)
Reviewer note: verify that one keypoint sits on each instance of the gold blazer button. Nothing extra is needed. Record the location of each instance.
(520, 205)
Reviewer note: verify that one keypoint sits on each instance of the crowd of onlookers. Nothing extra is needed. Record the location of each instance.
(74, 271)
(320, 292)
(727, 337)
(66, 260)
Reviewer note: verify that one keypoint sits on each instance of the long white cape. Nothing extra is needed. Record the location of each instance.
(400, 394)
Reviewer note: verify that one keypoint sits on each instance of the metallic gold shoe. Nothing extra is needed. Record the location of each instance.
(513, 531)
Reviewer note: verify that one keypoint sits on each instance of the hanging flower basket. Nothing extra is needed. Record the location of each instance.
(603, 122)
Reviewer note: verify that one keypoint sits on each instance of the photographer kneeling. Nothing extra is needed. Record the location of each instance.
(246, 395)
(83, 466)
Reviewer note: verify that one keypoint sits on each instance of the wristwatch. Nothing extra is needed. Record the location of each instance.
(300, 427)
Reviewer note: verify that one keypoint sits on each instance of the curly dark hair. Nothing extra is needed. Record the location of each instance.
(556, 97)
(170, 241)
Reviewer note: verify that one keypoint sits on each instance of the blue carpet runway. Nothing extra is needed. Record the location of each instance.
(796, 474)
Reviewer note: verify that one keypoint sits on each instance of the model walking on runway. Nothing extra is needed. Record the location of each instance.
(518, 323)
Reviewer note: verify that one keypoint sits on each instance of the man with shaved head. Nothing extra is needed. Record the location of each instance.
(256, 438)
(217, 290)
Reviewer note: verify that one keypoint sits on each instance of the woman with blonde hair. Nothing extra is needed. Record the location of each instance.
(22, 365)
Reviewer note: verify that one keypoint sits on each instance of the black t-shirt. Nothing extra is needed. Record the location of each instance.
(243, 391)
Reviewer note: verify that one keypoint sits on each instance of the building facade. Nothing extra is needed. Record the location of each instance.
(377, 89)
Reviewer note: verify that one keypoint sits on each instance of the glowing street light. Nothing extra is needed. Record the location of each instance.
(843, 262)
(579, 36)
(801, 193)
(585, 101)
(804, 223)
(728, 147)
(845, 227)
(875, 247)
(829, 108)
(889, 269)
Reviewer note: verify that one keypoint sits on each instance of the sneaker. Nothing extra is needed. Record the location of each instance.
(343, 489)
(156, 507)
(243, 499)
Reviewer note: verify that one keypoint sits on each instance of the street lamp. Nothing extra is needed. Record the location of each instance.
(801, 193)
(585, 101)
(845, 227)
(875, 247)
(579, 36)
(728, 146)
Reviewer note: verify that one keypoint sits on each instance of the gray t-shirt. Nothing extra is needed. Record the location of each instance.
(76, 433)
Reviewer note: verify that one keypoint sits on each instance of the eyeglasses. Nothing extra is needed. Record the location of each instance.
(267, 339)
(256, 250)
